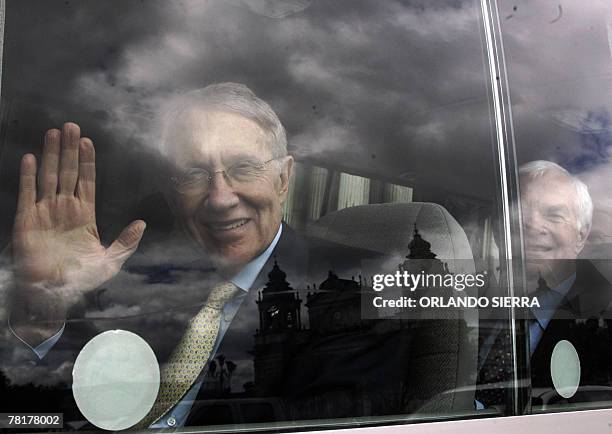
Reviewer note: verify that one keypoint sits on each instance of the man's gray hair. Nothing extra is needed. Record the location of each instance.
(235, 98)
(537, 168)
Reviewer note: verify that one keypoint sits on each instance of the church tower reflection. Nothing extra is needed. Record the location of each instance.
(279, 325)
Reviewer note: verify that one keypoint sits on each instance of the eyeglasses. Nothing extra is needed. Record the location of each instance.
(197, 178)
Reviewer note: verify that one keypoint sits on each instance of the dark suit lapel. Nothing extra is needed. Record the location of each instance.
(591, 294)
(291, 254)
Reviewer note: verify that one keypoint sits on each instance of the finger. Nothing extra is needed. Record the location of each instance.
(47, 180)
(127, 242)
(86, 186)
(69, 159)
(27, 183)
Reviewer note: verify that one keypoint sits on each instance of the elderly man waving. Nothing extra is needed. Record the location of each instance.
(228, 178)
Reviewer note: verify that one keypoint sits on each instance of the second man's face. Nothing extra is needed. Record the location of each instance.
(550, 225)
(232, 221)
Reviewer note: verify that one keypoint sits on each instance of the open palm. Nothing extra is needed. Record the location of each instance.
(56, 245)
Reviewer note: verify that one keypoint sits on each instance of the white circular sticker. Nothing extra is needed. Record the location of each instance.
(565, 369)
(115, 380)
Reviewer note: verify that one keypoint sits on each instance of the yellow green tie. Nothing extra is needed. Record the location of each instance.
(191, 354)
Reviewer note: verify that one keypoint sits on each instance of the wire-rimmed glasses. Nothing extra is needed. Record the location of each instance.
(198, 178)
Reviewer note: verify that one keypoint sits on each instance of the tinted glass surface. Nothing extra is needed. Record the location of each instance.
(558, 60)
(387, 115)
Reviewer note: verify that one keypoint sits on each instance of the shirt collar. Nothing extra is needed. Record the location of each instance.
(245, 278)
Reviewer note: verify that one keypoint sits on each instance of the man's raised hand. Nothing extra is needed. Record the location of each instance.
(56, 247)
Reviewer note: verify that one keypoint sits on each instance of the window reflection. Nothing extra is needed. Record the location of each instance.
(388, 161)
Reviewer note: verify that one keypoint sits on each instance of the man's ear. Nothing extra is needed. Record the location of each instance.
(285, 177)
(583, 235)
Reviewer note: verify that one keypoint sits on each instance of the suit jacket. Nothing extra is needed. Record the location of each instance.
(336, 364)
(582, 320)
(579, 319)
(324, 366)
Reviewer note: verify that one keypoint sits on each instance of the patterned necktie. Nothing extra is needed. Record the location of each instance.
(191, 354)
(496, 368)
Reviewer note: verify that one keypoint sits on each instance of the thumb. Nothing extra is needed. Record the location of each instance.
(127, 241)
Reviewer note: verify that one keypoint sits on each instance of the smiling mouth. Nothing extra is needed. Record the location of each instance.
(227, 225)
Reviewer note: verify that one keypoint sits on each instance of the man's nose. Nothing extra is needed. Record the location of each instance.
(221, 196)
